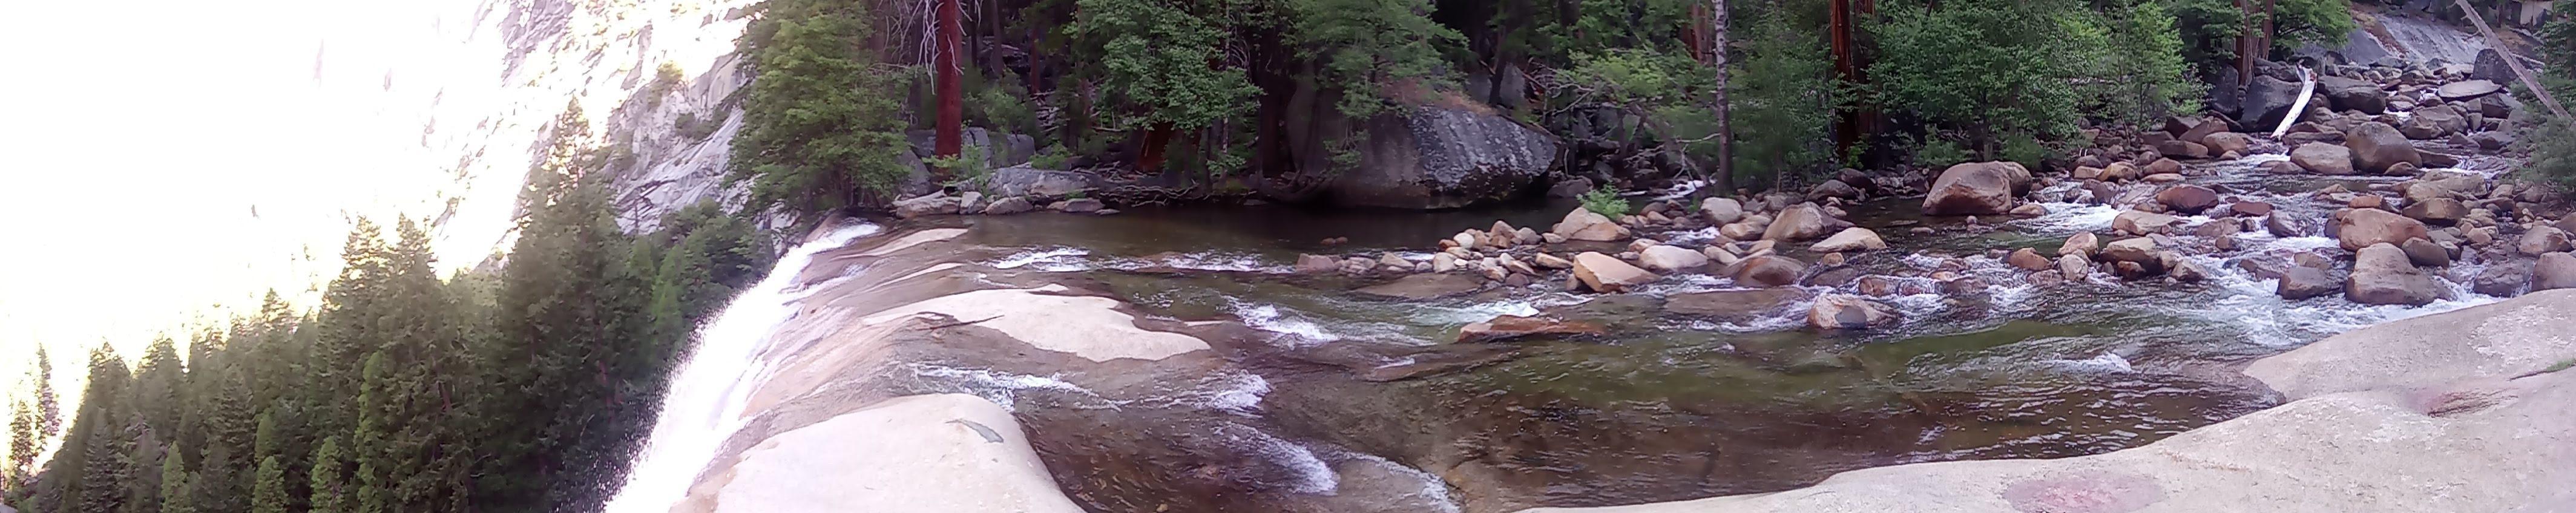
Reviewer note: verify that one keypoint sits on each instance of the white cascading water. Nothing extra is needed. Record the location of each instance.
(699, 411)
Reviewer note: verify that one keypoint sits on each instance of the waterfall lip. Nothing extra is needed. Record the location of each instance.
(711, 379)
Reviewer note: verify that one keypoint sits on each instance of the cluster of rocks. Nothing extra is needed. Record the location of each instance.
(2400, 233)
(973, 203)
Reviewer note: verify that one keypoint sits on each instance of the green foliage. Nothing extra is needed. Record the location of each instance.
(1984, 67)
(1605, 202)
(2023, 149)
(1053, 157)
(695, 128)
(1157, 62)
(2139, 76)
(1783, 93)
(1939, 154)
(967, 170)
(177, 495)
(1370, 48)
(2551, 142)
(330, 466)
(821, 129)
(268, 489)
(666, 77)
(2210, 27)
(2320, 22)
(2556, 51)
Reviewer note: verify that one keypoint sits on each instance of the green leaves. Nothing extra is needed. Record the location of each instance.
(821, 129)
(1987, 67)
(1160, 63)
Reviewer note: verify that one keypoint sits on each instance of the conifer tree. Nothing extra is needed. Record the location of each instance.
(329, 465)
(374, 491)
(268, 490)
(177, 496)
(21, 471)
(105, 448)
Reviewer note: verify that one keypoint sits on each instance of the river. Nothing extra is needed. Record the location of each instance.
(1320, 399)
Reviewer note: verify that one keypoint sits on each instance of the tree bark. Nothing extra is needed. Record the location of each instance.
(947, 64)
(1725, 176)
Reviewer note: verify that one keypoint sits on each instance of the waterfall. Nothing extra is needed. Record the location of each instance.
(697, 413)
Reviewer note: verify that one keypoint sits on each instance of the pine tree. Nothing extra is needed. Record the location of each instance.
(268, 490)
(156, 387)
(104, 423)
(21, 472)
(49, 415)
(374, 492)
(177, 496)
(329, 465)
(353, 324)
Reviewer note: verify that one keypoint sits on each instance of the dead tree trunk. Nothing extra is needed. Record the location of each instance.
(1725, 175)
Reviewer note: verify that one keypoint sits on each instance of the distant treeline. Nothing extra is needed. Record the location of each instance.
(523, 389)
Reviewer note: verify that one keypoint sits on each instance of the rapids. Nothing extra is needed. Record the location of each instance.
(1332, 400)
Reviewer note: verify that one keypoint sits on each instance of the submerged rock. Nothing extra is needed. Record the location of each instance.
(1734, 305)
(1766, 271)
(1426, 286)
(1843, 312)
(1512, 326)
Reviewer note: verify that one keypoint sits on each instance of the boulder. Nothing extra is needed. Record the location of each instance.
(2352, 94)
(2118, 171)
(1605, 273)
(2250, 209)
(2382, 275)
(1802, 222)
(2323, 158)
(2162, 167)
(930, 205)
(2030, 210)
(2188, 199)
(1766, 271)
(1008, 206)
(2183, 150)
(1662, 258)
(2361, 228)
(1425, 286)
(2375, 146)
(1029, 181)
(2490, 66)
(1551, 261)
(2141, 250)
(2424, 253)
(2466, 89)
(1845, 312)
(2141, 223)
(2084, 243)
(2542, 240)
(2438, 211)
(2028, 259)
(1433, 157)
(2228, 142)
(1852, 239)
(1078, 206)
(2503, 279)
(1721, 210)
(2267, 100)
(1317, 264)
(2554, 271)
(1581, 224)
(2432, 123)
(1513, 326)
(1976, 188)
(2074, 267)
(2301, 282)
(1832, 189)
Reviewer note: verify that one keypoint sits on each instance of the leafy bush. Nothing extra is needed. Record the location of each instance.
(1605, 202)
(1984, 67)
(1153, 59)
(1937, 153)
(2552, 145)
(2026, 150)
(2140, 76)
(1782, 96)
(1053, 157)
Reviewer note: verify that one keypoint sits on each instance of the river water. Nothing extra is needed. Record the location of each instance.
(1348, 403)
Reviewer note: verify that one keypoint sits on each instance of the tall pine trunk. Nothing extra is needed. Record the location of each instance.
(947, 65)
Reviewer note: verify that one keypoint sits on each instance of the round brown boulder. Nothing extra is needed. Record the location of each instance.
(2382, 275)
(2323, 158)
(1766, 271)
(2361, 228)
(2188, 199)
(1975, 188)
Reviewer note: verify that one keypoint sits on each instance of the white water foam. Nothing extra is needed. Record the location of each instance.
(1312, 476)
(2105, 362)
(697, 413)
(2071, 218)
(1001, 388)
(1052, 259)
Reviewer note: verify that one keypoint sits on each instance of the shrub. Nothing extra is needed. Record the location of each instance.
(2552, 145)
(1937, 153)
(1606, 202)
(1984, 67)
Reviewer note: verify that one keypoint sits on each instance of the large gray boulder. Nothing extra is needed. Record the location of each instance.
(1029, 181)
(2353, 94)
(2554, 271)
(2375, 146)
(2382, 275)
(2267, 100)
(2435, 122)
(2323, 158)
(2491, 67)
(1976, 188)
(1436, 157)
